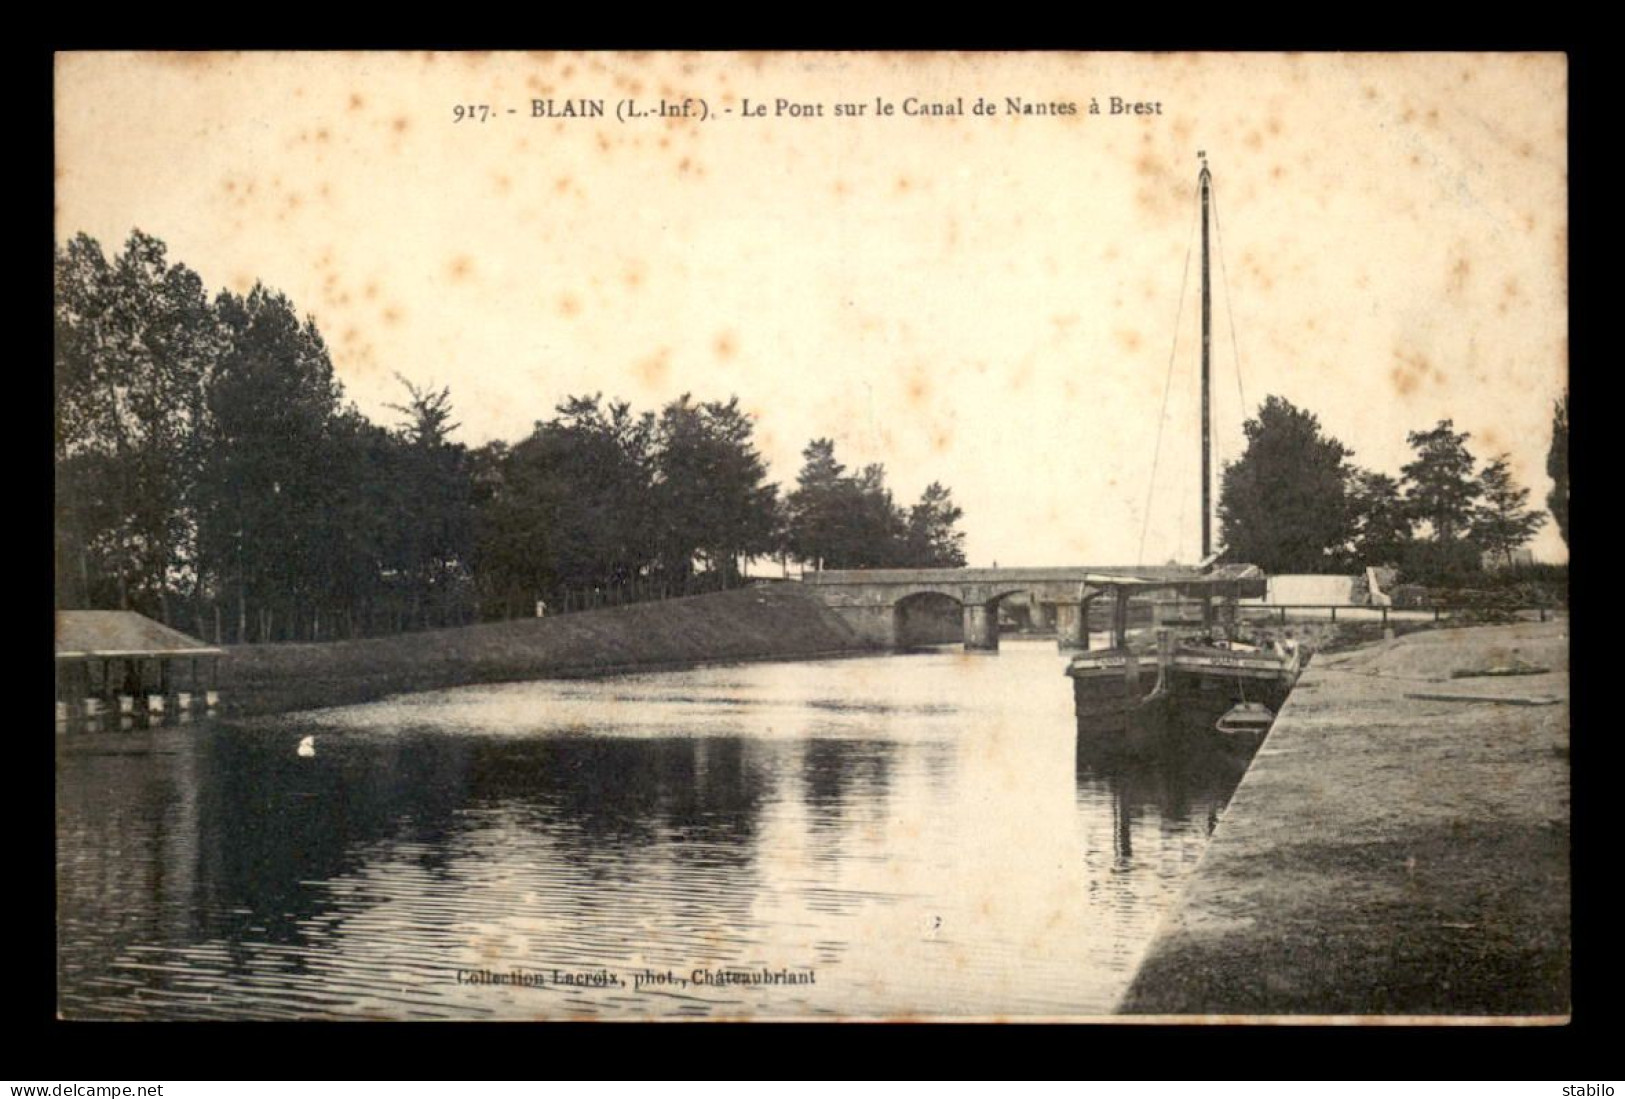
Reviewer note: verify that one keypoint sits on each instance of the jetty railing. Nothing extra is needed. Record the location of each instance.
(1364, 612)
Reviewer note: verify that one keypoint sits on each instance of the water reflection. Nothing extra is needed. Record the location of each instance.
(922, 834)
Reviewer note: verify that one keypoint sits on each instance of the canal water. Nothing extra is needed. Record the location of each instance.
(913, 835)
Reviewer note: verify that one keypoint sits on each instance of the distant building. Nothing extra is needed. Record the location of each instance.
(1518, 558)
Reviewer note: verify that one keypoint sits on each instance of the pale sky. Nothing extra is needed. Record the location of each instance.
(988, 301)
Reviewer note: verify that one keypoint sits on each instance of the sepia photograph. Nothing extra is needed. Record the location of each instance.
(812, 536)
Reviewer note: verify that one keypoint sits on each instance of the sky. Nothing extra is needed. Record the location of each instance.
(1003, 302)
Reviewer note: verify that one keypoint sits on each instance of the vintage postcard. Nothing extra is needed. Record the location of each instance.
(710, 536)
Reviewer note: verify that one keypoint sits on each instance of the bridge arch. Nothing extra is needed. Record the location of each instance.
(1058, 605)
(1032, 606)
(928, 617)
(956, 592)
(982, 605)
(920, 613)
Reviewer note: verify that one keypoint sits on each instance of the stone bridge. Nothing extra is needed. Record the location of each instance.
(881, 603)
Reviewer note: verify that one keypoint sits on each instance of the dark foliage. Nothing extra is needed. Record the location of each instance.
(835, 521)
(210, 473)
(1557, 467)
(1284, 504)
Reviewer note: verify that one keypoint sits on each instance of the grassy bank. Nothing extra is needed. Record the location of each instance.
(774, 621)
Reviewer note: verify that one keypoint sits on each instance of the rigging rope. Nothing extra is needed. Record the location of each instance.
(1184, 505)
(1167, 386)
(1229, 310)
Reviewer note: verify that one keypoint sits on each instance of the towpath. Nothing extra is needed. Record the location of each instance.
(1399, 846)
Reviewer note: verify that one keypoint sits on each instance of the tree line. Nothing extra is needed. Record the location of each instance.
(1295, 503)
(210, 473)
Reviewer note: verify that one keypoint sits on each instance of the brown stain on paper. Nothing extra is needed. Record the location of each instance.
(917, 387)
(1410, 371)
(654, 372)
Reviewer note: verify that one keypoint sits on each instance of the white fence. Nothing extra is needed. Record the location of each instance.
(1313, 590)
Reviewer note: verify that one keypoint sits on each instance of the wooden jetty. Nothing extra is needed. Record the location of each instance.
(116, 669)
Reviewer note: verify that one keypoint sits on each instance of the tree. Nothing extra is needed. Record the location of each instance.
(1382, 523)
(273, 450)
(1283, 504)
(428, 415)
(515, 501)
(840, 522)
(1440, 489)
(202, 452)
(932, 540)
(135, 339)
(1503, 522)
(434, 519)
(569, 508)
(711, 493)
(813, 511)
(607, 519)
(874, 530)
(368, 559)
(498, 558)
(1557, 467)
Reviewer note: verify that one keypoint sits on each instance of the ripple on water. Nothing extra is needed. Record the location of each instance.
(917, 831)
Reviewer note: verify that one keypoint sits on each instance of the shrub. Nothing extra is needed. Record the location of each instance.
(1441, 564)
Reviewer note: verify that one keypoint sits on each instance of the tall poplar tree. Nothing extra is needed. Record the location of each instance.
(1557, 467)
(267, 485)
(135, 341)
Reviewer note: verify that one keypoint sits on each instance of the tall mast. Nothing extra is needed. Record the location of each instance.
(1207, 358)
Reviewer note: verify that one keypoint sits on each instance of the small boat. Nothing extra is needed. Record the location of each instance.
(1246, 719)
